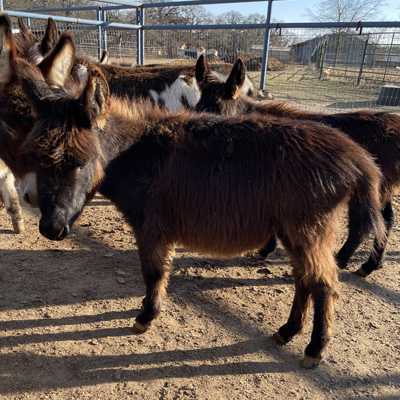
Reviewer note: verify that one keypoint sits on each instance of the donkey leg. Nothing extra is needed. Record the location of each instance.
(354, 238)
(316, 276)
(375, 259)
(156, 263)
(297, 315)
(268, 248)
(11, 202)
(324, 298)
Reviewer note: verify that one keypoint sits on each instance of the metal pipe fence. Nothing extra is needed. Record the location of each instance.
(329, 66)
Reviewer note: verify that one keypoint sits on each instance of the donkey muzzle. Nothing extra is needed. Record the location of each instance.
(53, 229)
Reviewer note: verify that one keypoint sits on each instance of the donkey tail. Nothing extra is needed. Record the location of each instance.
(366, 202)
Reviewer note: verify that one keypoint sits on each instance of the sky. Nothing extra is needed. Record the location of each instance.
(296, 10)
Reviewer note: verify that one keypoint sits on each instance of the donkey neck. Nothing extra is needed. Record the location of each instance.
(127, 122)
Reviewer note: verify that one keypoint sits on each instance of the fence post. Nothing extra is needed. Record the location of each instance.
(388, 57)
(264, 67)
(142, 22)
(362, 61)
(99, 33)
(105, 33)
(138, 37)
(322, 60)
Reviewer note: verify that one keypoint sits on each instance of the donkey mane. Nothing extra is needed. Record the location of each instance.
(277, 108)
(124, 109)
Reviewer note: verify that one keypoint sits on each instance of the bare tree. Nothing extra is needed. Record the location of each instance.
(230, 17)
(196, 15)
(346, 10)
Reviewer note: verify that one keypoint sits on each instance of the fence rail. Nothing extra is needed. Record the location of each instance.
(334, 65)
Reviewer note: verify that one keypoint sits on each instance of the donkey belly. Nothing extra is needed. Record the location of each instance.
(218, 215)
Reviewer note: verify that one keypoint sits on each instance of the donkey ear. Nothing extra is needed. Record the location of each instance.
(25, 32)
(95, 96)
(50, 37)
(201, 69)
(236, 79)
(56, 67)
(7, 50)
(104, 57)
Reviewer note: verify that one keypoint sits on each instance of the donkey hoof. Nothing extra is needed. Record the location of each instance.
(278, 339)
(361, 272)
(19, 227)
(310, 362)
(139, 328)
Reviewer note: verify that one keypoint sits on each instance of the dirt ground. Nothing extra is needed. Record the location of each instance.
(66, 310)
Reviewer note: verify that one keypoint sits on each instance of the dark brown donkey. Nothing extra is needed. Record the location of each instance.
(377, 132)
(212, 184)
(30, 48)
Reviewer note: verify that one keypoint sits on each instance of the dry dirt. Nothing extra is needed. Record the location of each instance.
(66, 310)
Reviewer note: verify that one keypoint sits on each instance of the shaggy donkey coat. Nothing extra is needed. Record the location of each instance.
(201, 181)
(377, 132)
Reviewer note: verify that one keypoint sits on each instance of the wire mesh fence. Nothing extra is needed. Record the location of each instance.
(328, 69)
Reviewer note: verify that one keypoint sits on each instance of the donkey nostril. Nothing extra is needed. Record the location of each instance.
(27, 198)
(64, 232)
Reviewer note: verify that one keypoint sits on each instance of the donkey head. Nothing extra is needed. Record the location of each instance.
(17, 109)
(220, 96)
(29, 47)
(63, 147)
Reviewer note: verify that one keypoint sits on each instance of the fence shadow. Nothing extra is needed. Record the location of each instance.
(79, 370)
(59, 277)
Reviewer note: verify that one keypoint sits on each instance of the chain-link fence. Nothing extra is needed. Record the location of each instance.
(338, 68)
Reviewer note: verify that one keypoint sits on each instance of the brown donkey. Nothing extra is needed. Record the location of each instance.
(214, 185)
(29, 48)
(377, 132)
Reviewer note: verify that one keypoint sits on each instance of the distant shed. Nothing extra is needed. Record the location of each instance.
(338, 48)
